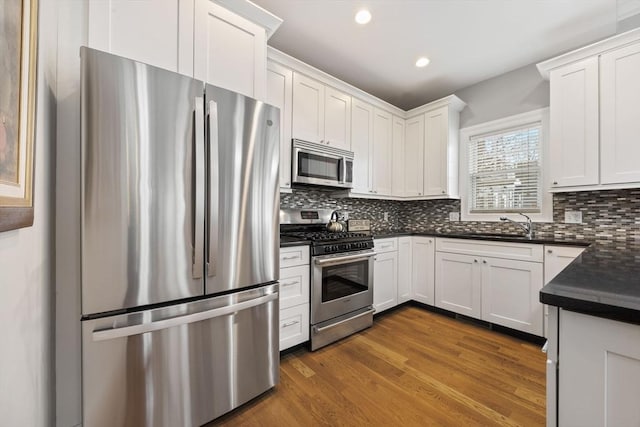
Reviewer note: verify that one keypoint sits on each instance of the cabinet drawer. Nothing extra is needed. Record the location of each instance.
(294, 326)
(294, 286)
(507, 250)
(294, 255)
(386, 245)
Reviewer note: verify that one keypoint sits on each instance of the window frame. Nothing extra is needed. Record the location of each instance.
(497, 126)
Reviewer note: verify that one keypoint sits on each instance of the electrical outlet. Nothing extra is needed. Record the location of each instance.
(386, 216)
(454, 216)
(345, 215)
(573, 217)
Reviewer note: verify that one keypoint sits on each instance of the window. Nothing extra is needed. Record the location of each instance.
(503, 168)
(505, 171)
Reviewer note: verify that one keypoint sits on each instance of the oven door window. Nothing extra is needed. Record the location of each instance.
(316, 166)
(339, 281)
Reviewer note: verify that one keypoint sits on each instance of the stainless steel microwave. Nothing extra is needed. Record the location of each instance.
(319, 164)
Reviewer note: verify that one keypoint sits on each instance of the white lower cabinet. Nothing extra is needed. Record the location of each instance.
(385, 274)
(510, 292)
(598, 371)
(556, 259)
(458, 284)
(499, 290)
(404, 269)
(422, 269)
(294, 296)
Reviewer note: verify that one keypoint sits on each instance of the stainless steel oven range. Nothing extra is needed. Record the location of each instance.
(341, 275)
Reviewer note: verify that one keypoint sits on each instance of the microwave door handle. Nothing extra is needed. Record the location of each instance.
(214, 181)
(294, 164)
(198, 202)
(343, 170)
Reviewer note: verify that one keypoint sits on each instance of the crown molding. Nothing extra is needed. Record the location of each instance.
(253, 13)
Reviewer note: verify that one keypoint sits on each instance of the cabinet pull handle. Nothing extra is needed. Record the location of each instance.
(290, 257)
(475, 260)
(484, 261)
(443, 191)
(290, 283)
(549, 251)
(293, 322)
(555, 182)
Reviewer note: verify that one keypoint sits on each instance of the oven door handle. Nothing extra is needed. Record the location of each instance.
(333, 325)
(341, 260)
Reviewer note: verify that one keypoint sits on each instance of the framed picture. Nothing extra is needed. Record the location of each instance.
(18, 50)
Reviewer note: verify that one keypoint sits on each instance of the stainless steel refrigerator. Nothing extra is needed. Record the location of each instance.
(179, 246)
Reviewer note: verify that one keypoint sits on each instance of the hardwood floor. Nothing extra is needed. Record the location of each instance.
(413, 367)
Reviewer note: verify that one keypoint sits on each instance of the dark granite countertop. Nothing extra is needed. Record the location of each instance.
(495, 237)
(603, 281)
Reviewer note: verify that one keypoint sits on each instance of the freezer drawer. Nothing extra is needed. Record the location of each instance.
(181, 365)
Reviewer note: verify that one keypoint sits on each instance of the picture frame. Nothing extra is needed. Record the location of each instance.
(18, 85)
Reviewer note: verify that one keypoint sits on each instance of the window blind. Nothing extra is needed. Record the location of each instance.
(505, 171)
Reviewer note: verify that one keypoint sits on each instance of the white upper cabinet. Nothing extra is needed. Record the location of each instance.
(436, 125)
(156, 32)
(595, 115)
(413, 156)
(229, 50)
(198, 38)
(308, 109)
(620, 115)
(361, 141)
(382, 152)
(431, 150)
(279, 94)
(321, 114)
(337, 119)
(574, 124)
(398, 147)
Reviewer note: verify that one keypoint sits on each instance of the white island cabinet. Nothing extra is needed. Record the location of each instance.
(598, 371)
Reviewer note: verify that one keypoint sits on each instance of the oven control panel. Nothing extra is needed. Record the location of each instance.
(336, 247)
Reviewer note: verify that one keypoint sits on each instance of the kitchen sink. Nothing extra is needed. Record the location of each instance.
(498, 235)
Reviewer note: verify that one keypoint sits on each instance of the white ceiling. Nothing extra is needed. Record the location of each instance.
(468, 41)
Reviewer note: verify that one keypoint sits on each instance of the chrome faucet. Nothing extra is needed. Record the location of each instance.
(527, 227)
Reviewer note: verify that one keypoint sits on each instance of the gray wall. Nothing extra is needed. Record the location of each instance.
(517, 91)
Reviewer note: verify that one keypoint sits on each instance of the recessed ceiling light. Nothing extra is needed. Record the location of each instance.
(422, 62)
(363, 16)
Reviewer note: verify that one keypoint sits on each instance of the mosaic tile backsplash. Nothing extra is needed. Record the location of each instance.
(608, 216)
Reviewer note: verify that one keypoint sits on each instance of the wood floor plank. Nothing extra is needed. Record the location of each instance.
(413, 367)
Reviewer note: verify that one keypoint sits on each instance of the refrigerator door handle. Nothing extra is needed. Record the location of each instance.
(213, 189)
(126, 331)
(198, 208)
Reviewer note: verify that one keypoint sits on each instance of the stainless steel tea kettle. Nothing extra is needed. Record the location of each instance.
(334, 226)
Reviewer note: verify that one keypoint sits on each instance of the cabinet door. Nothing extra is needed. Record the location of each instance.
(510, 294)
(599, 371)
(397, 182)
(337, 119)
(156, 32)
(229, 50)
(413, 156)
(574, 124)
(382, 152)
(436, 129)
(404, 269)
(620, 115)
(556, 258)
(279, 94)
(458, 283)
(385, 281)
(308, 109)
(361, 140)
(423, 269)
